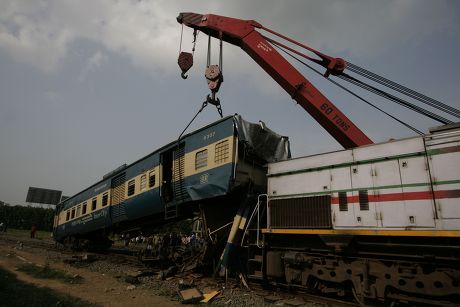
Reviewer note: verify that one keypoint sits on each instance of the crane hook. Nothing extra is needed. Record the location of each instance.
(185, 62)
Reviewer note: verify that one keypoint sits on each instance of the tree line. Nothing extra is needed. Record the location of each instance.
(21, 217)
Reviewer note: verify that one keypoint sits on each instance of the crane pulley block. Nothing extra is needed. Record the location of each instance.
(214, 77)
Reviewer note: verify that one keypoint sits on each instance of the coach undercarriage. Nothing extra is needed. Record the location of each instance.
(359, 270)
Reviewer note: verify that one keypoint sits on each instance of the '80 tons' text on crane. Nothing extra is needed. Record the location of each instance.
(335, 118)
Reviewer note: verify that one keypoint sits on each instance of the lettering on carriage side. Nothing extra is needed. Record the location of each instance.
(83, 220)
(336, 118)
(209, 135)
(100, 214)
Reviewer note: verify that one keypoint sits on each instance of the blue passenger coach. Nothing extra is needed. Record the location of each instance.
(213, 168)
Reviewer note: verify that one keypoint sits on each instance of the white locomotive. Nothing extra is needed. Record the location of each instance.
(382, 220)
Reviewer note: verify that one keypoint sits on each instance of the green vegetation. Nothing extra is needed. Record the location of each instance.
(17, 293)
(46, 272)
(21, 217)
(22, 233)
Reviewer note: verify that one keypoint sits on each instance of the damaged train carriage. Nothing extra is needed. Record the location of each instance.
(213, 169)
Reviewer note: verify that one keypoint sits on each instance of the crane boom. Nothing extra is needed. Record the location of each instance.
(243, 33)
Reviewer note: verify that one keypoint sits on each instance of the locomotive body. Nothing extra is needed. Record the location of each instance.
(394, 188)
(203, 168)
(383, 219)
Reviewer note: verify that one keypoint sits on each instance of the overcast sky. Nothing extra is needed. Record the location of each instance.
(89, 85)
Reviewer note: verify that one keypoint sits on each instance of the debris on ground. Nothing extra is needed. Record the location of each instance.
(272, 299)
(167, 273)
(85, 258)
(209, 296)
(132, 280)
(136, 276)
(190, 296)
(293, 302)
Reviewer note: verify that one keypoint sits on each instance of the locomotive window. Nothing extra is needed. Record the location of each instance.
(151, 179)
(78, 210)
(343, 203)
(143, 182)
(363, 200)
(131, 187)
(94, 204)
(222, 152)
(105, 198)
(73, 214)
(84, 208)
(67, 216)
(201, 159)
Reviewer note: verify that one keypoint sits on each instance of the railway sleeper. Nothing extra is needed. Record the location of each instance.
(368, 278)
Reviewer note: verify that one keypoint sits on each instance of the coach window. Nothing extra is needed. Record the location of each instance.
(83, 209)
(143, 182)
(201, 159)
(151, 179)
(131, 187)
(67, 216)
(94, 204)
(105, 199)
(73, 214)
(78, 210)
(222, 152)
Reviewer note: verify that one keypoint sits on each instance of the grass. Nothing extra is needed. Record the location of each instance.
(24, 233)
(46, 272)
(15, 293)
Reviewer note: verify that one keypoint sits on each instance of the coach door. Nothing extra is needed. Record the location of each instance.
(172, 179)
(180, 193)
(118, 210)
(166, 191)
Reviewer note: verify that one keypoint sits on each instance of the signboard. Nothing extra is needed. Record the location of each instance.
(43, 196)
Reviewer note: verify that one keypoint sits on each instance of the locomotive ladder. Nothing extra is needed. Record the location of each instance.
(255, 243)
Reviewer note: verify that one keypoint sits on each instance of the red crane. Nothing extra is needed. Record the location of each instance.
(243, 33)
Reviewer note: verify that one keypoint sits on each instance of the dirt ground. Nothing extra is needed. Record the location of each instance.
(97, 288)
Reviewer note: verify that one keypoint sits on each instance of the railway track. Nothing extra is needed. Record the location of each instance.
(284, 292)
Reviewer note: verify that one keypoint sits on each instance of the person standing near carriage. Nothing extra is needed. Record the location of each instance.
(33, 229)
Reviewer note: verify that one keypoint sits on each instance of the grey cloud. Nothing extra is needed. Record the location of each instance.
(60, 133)
(39, 33)
(93, 63)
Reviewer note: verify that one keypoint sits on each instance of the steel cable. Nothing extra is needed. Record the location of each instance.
(393, 98)
(404, 90)
(350, 92)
